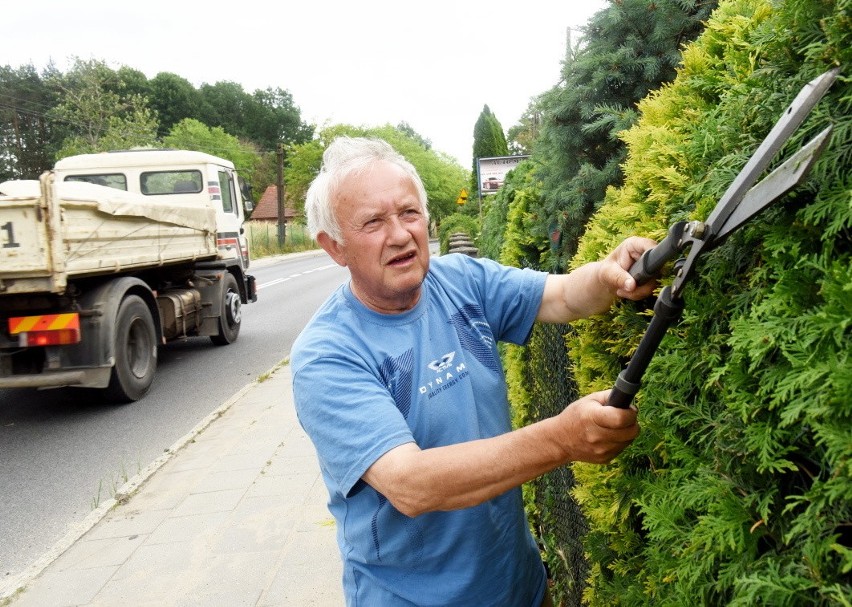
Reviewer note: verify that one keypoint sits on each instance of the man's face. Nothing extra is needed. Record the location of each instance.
(385, 238)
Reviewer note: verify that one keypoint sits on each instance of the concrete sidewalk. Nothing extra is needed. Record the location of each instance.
(234, 514)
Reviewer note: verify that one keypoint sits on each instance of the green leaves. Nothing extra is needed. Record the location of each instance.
(739, 489)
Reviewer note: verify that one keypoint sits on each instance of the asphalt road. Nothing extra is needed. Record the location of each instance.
(62, 451)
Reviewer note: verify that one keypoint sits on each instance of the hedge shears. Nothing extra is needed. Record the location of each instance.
(740, 203)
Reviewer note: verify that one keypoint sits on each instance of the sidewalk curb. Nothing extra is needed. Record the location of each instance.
(8, 588)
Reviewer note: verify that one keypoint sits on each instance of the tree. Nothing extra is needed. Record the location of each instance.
(273, 118)
(190, 134)
(267, 117)
(488, 142)
(99, 117)
(131, 81)
(224, 104)
(27, 136)
(522, 136)
(488, 138)
(173, 98)
(631, 48)
(407, 129)
(443, 177)
(739, 489)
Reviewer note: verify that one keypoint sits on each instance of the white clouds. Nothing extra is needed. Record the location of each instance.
(433, 64)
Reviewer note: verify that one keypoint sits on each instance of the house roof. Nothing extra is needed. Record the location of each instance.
(267, 207)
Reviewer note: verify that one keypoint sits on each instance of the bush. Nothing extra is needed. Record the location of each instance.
(739, 489)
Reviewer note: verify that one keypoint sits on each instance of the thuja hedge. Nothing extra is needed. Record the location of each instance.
(739, 489)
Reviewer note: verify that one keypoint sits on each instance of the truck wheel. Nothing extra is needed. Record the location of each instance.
(135, 352)
(232, 313)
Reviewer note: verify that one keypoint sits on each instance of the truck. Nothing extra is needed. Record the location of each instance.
(108, 256)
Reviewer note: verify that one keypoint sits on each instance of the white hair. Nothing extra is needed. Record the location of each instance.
(346, 156)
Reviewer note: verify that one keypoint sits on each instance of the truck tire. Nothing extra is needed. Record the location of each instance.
(135, 352)
(232, 315)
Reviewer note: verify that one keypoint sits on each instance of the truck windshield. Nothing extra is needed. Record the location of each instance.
(154, 183)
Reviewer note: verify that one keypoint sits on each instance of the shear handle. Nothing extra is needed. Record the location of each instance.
(652, 261)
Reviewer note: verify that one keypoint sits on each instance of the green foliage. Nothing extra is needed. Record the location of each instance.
(495, 209)
(454, 224)
(95, 108)
(520, 247)
(631, 48)
(266, 117)
(521, 137)
(173, 98)
(739, 489)
(190, 134)
(489, 141)
(104, 117)
(303, 163)
(442, 176)
(27, 137)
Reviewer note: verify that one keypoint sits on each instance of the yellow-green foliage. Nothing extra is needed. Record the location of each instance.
(738, 491)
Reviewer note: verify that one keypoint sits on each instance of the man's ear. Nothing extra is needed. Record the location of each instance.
(332, 247)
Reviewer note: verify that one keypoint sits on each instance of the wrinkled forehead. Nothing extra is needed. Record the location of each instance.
(380, 183)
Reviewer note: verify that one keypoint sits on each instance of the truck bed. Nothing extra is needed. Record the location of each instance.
(52, 232)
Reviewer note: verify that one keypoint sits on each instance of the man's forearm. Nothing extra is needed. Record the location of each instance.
(458, 476)
(466, 474)
(579, 294)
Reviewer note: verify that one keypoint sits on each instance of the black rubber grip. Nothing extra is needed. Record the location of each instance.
(622, 393)
(651, 262)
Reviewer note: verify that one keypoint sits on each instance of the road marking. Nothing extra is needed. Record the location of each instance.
(281, 280)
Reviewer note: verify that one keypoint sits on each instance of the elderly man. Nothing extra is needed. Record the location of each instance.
(398, 382)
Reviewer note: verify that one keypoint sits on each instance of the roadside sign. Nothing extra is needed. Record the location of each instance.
(462, 197)
(491, 172)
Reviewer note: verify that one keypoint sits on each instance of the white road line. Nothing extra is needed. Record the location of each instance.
(280, 280)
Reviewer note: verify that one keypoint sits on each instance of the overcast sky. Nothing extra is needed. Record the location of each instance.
(433, 64)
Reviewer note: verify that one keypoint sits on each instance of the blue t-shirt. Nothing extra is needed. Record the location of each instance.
(366, 382)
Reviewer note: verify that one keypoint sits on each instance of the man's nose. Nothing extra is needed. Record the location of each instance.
(397, 230)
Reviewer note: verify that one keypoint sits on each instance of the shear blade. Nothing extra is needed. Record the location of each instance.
(780, 181)
(787, 124)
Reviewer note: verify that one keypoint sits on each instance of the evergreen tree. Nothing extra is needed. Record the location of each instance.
(632, 47)
(489, 141)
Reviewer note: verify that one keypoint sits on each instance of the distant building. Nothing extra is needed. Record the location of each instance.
(267, 208)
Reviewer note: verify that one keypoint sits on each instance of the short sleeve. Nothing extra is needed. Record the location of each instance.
(349, 415)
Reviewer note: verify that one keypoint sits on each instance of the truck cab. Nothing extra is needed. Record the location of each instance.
(173, 177)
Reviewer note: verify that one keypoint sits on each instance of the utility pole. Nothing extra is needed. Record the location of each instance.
(282, 224)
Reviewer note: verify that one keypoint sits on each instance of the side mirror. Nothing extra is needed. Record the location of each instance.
(245, 191)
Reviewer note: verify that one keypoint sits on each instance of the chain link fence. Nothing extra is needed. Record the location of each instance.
(557, 517)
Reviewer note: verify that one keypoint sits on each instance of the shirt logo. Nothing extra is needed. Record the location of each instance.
(443, 363)
(446, 375)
